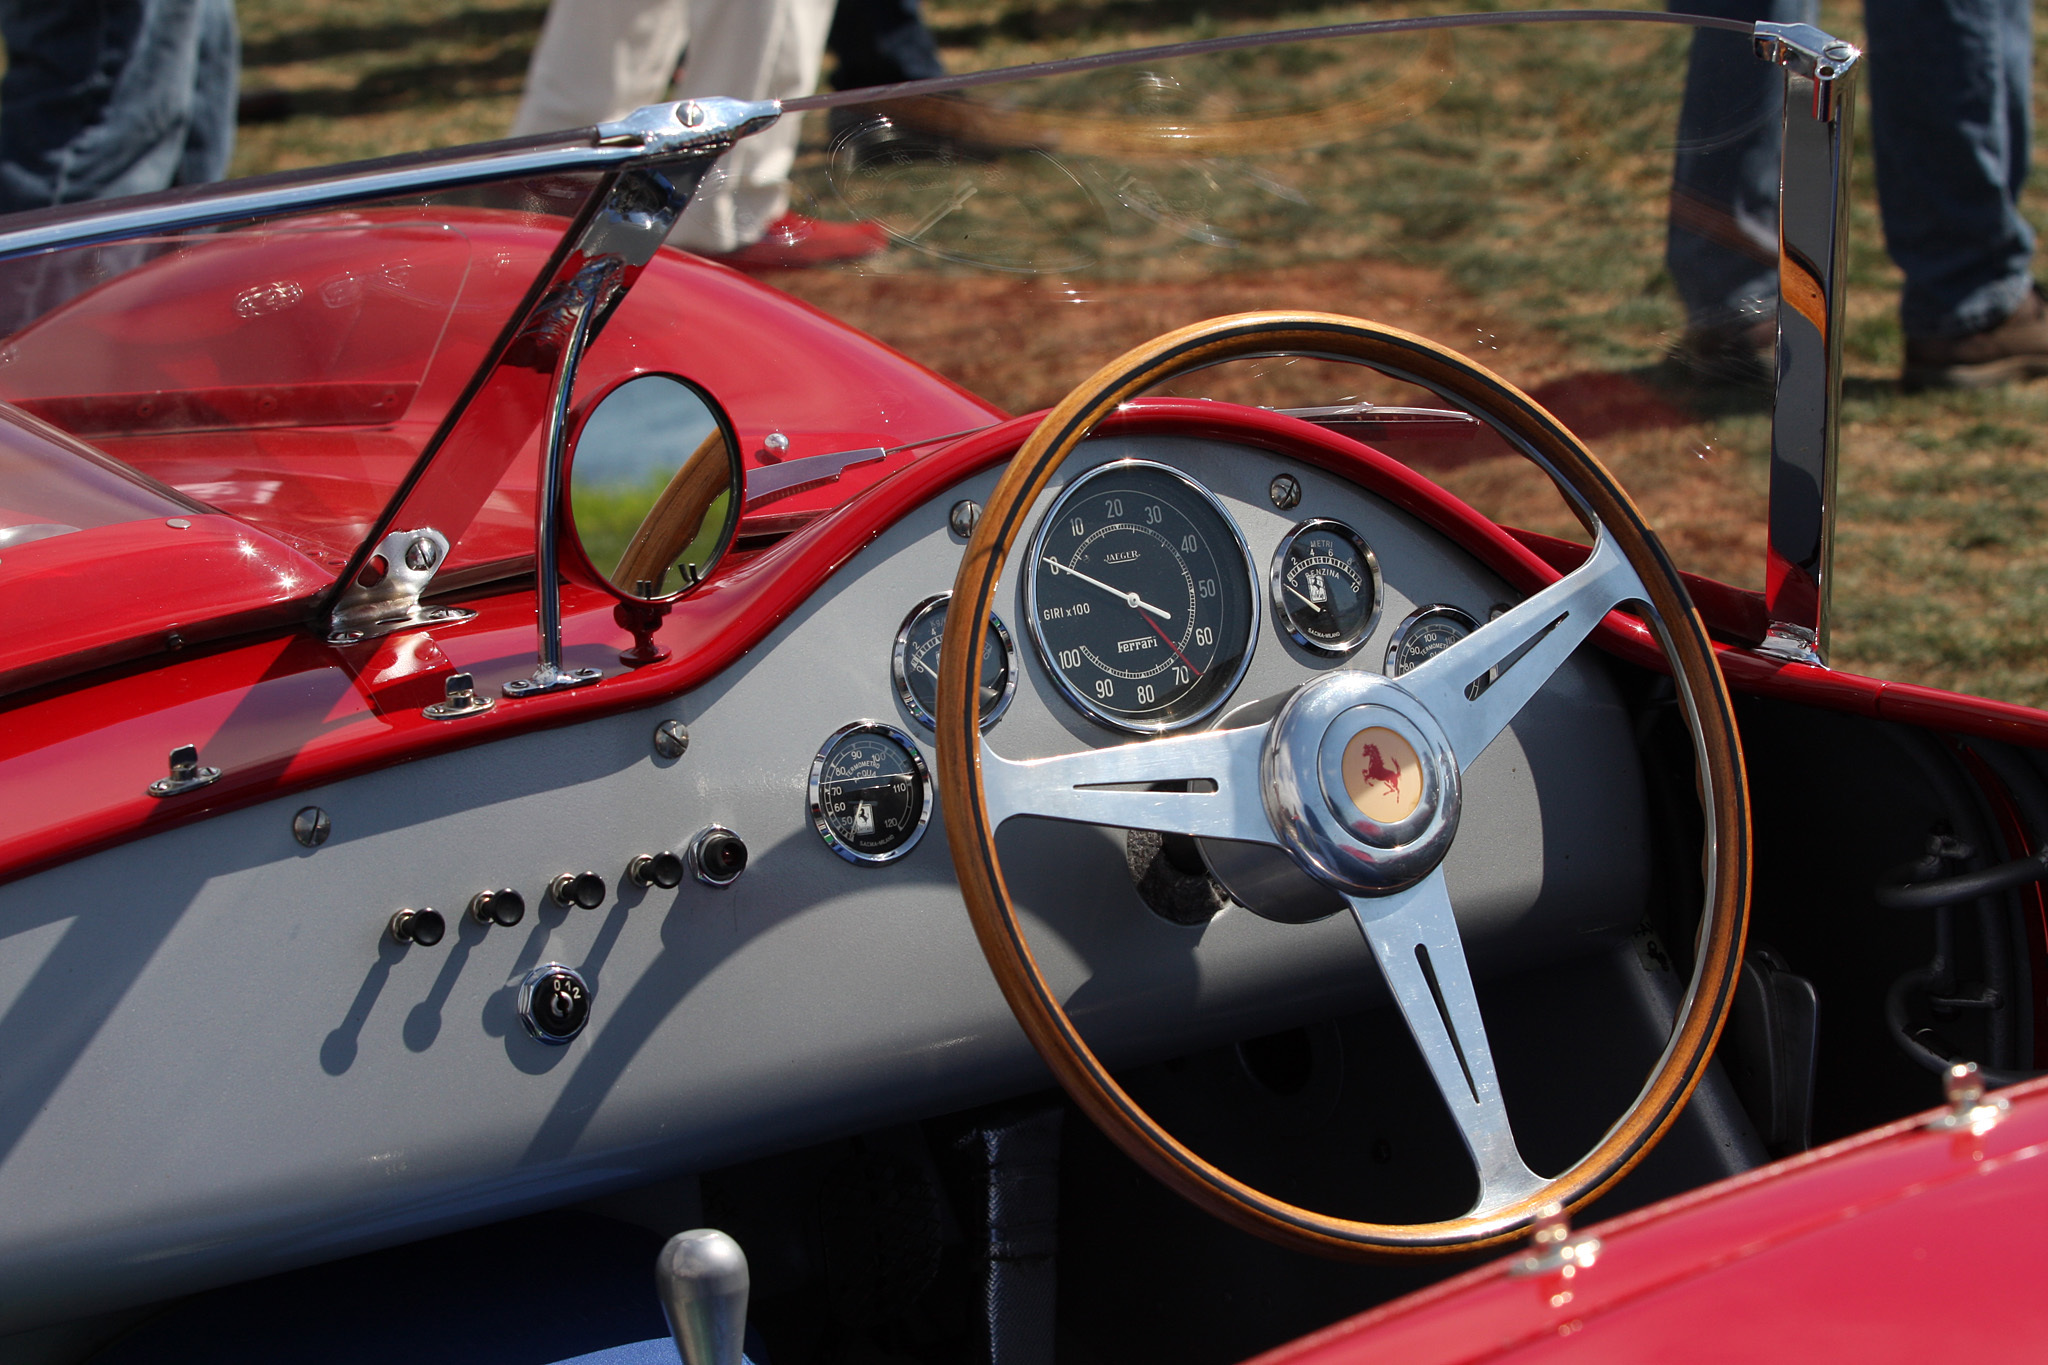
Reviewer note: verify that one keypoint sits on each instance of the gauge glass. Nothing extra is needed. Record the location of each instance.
(1140, 597)
(915, 665)
(1424, 634)
(1326, 587)
(870, 793)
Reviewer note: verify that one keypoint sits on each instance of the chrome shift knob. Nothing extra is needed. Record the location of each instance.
(702, 1276)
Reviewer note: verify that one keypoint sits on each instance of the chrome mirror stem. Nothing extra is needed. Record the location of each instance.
(1813, 208)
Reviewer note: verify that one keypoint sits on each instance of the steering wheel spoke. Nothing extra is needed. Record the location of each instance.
(1479, 684)
(1203, 784)
(1414, 938)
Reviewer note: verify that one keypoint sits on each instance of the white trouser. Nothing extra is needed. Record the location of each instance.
(599, 59)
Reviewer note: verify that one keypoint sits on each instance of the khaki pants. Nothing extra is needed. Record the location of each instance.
(600, 59)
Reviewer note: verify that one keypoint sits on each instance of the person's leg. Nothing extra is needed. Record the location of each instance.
(749, 49)
(210, 142)
(881, 42)
(1949, 113)
(600, 59)
(1722, 242)
(99, 98)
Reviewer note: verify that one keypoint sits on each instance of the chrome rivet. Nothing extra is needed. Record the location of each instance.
(671, 739)
(776, 442)
(311, 826)
(964, 516)
(421, 555)
(1285, 491)
(179, 524)
(1839, 52)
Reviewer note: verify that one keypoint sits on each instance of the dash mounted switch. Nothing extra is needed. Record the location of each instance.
(554, 1003)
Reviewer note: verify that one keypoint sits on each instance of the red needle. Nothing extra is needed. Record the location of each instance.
(1171, 645)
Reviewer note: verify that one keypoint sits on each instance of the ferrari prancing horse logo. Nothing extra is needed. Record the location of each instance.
(1382, 774)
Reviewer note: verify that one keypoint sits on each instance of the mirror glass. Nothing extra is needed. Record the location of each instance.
(654, 487)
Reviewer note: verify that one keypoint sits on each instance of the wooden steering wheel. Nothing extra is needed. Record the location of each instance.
(1282, 784)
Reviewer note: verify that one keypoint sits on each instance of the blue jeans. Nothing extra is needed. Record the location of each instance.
(112, 97)
(1950, 85)
(881, 42)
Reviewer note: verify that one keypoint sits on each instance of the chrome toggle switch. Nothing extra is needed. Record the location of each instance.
(423, 927)
(577, 890)
(663, 869)
(504, 907)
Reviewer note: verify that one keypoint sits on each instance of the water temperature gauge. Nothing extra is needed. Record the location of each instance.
(1426, 633)
(871, 794)
(1326, 587)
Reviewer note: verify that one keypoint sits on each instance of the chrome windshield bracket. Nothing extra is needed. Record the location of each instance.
(665, 129)
(385, 596)
(1813, 207)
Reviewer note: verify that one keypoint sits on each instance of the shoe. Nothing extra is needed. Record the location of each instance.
(1731, 353)
(793, 242)
(2015, 349)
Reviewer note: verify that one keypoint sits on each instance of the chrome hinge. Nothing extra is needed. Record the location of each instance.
(1814, 53)
(661, 129)
(404, 564)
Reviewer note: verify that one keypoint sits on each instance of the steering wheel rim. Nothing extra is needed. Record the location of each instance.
(966, 766)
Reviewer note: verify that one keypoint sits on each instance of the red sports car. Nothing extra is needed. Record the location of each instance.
(1126, 778)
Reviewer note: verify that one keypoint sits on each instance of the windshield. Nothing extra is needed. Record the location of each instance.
(1505, 191)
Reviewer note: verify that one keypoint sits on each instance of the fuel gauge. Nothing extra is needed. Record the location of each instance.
(1326, 587)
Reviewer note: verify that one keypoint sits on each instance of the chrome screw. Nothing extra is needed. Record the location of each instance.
(1285, 491)
(966, 514)
(671, 739)
(693, 114)
(420, 555)
(311, 826)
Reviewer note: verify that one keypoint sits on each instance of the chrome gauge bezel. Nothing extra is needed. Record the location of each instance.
(1080, 700)
(1415, 618)
(917, 765)
(1283, 614)
(899, 665)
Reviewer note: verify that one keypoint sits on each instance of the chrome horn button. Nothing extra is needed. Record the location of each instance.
(1360, 784)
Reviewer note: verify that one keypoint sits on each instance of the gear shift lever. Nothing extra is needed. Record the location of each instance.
(702, 1276)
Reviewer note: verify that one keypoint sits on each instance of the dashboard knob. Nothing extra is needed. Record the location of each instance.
(554, 1002)
(503, 908)
(577, 890)
(423, 927)
(718, 856)
(663, 869)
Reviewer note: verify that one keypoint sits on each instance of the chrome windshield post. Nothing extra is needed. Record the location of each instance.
(641, 205)
(1813, 207)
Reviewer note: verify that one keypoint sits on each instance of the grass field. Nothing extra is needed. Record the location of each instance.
(1942, 555)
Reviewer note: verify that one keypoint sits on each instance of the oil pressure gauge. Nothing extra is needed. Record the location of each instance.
(1425, 633)
(916, 664)
(1326, 587)
(871, 794)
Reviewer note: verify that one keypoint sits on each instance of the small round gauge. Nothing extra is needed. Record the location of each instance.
(915, 665)
(1140, 597)
(1326, 587)
(870, 793)
(1425, 633)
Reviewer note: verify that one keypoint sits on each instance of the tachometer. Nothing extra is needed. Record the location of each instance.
(1140, 597)
(870, 793)
(1326, 587)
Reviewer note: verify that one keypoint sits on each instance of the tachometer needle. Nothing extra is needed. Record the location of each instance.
(1130, 598)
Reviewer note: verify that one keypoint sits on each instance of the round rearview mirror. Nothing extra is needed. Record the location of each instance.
(654, 488)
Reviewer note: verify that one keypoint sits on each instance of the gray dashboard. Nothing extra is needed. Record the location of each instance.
(219, 1064)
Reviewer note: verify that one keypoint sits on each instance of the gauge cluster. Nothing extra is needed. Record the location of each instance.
(1145, 606)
